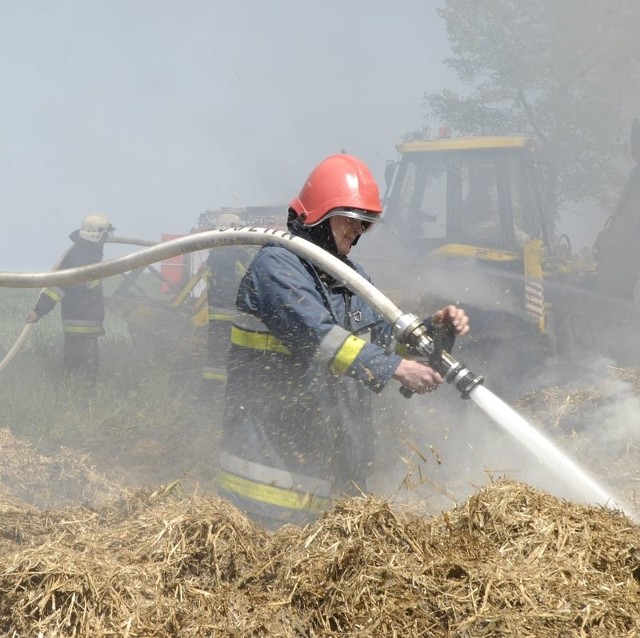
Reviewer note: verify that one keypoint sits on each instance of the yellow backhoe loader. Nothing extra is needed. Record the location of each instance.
(472, 220)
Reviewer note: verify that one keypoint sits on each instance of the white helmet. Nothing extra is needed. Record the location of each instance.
(94, 227)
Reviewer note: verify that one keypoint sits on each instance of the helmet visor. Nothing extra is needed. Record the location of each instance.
(367, 218)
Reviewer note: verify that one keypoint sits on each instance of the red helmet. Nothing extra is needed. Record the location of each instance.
(339, 185)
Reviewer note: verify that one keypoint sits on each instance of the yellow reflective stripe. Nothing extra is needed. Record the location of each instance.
(218, 316)
(272, 495)
(240, 268)
(347, 354)
(200, 318)
(217, 376)
(94, 283)
(467, 250)
(533, 282)
(82, 329)
(257, 341)
(268, 475)
(183, 294)
(53, 294)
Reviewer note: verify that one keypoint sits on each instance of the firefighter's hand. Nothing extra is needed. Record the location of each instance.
(417, 376)
(454, 316)
(32, 317)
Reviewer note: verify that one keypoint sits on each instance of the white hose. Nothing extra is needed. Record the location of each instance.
(203, 241)
(26, 329)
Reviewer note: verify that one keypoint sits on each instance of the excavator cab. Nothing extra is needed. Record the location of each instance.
(470, 221)
(477, 192)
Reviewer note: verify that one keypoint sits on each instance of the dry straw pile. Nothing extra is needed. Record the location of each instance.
(51, 481)
(512, 561)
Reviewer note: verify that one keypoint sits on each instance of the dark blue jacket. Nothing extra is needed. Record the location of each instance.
(81, 305)
(305, 355)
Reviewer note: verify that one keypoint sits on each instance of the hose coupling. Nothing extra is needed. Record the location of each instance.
(412, 332)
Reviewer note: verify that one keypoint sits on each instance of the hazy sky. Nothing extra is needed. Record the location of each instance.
(153, 111)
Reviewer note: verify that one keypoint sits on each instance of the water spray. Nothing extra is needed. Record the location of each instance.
(420, 339)
(577, 479)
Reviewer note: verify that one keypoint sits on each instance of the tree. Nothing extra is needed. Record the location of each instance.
(563, 71)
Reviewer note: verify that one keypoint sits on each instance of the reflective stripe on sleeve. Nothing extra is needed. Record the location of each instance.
(339, 349)
(248, 322)
(54, 293)
(240, 268)
(347, 354)
(331, 344)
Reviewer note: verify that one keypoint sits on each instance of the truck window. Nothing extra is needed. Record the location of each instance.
(432, 205)
(421, 207)
(525, 223)
(478, 216)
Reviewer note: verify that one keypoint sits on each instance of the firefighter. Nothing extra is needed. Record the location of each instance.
(224, 269)
(306, 353)
(81, 305)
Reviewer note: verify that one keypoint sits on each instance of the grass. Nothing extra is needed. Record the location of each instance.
(142, 394)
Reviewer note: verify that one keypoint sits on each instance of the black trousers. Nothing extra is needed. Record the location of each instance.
(80, 358)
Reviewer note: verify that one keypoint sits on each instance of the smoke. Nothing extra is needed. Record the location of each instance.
(441, 447)
(438, 449)
(611, 420)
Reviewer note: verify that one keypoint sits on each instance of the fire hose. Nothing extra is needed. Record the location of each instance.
(26, 329)
(407, 328)
(422, 341)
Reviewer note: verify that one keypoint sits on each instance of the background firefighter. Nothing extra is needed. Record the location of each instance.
(305, 355)
(81, 305)
(225, 268)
